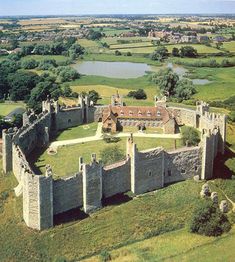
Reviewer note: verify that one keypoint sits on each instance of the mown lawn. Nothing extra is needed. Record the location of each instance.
(65, 162)
(7, 108)
(77, 132)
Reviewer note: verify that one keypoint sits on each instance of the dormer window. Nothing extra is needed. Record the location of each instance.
(121, 113)
(158, 113)
(140, 113)
(130, 113)
(148, 113)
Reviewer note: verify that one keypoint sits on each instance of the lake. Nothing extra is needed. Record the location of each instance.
(113, 69)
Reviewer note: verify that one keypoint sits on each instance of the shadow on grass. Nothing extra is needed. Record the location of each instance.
(116, 200)
(72, 215)
(220, 168)
(33, 158)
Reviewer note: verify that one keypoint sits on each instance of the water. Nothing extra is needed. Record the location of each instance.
(113, 69)
(125, 70)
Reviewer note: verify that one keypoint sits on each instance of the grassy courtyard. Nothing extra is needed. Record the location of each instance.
(65, 162)
(77, 132)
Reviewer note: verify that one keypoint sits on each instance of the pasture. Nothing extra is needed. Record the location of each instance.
(7, 108)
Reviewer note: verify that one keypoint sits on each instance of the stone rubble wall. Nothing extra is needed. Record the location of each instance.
(116, 178)
(182, 164)
(67, 193)
(69, 118)
(147, 170)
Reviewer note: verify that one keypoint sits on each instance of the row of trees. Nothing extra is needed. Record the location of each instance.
(162, 53)
(67, 48)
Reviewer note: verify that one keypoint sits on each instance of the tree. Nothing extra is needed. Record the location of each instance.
(167, 80)
(160, 53)
(21, 83)
(188, 51)
(111, 154)
(76, 50)
(176, 52)
(184, 89)
(190, 136)
(94, 96)
(67, 74)
(29, 64)
(209, 221)
(139, 94)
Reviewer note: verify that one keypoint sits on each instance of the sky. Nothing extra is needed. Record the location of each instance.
(83, 7)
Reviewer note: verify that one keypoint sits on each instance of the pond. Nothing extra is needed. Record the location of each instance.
(113, 69)
(126, 70)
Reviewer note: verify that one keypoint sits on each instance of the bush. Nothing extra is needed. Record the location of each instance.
(111, 139)
(160, 54)
(209, 221)
(111, 155)
(231, 116)
(139, 94)
(118, 53)
(105, 256)
(128, 54)
(190, 136)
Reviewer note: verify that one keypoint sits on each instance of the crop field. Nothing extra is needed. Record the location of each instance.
(72, 153)
(7, 108)
(229, 46)
(132, 45)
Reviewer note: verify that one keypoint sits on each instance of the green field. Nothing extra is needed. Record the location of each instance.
(7, 108)
(169, 247)
(229, 46)
(222, 86)
(77, 132)
(39, 58)
(72, 153)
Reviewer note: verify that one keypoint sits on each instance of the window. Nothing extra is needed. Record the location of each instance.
(169, 172)
(196, 168)
(69, 121)
(148, 113)
(158, 113)
(183, 171)
(130, 113)
(122, 113)
(150, 173)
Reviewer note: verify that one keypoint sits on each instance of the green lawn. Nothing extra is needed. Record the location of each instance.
(65, 162)
(77, 132)
(229, 46)
(6, 108)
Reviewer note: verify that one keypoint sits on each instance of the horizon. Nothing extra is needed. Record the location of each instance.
(113, 7)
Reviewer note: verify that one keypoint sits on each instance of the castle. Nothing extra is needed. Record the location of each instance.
(140, 172)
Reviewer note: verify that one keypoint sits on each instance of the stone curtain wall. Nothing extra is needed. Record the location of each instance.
(67, 118)
(183, 116)
(116, 178)
(67, 193)
(182, 164)
(147, 172)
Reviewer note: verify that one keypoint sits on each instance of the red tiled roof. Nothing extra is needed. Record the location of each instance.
(135, 112)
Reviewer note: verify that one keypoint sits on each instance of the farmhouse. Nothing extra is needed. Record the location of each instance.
(116, 117)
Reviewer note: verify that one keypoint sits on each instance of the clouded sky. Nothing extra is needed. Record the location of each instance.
(55, 7)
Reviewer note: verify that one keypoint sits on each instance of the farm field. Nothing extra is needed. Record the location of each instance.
(229, 46)
(7, 108)
(72, 153)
